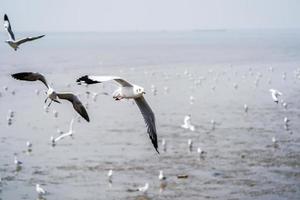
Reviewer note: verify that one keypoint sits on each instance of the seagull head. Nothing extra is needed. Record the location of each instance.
(139, 90)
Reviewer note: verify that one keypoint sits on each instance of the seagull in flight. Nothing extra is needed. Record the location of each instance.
(129, 91)
(51, 94)
(69, 133)
(275, 94)
(12, 41)
(39, 190)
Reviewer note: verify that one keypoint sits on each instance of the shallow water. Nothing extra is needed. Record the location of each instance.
(241, 161)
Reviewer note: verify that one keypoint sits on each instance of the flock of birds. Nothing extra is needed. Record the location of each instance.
(126, 90)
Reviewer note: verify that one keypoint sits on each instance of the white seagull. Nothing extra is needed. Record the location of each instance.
(51, 94)
(12, 41)
(17, 162)
(275, 94)
(161, 176)
(164, 145)
(144, 189)
(69, 133)
(109, 175)
(187, 123)
(129, 91)
(40, 190)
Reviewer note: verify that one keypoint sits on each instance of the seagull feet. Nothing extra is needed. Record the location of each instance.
(49, 104)
(118, 98)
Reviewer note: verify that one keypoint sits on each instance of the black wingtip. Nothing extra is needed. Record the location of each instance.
(87, 80)
(157, 151)
(5, 17)
(20, 75)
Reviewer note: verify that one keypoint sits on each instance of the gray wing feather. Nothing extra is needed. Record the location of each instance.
(21, 41)
(149, 118)
(30, 76)
(77, 105)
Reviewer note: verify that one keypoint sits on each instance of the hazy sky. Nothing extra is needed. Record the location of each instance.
(124, 15)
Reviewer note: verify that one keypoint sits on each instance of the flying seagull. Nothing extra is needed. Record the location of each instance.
(275, 94)
(129, 91)
(12, 41)
(51, 94)
(69, 133)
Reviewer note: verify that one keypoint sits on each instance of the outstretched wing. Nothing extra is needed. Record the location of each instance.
(77, 105)
(99, 79)
(149, 118)
(7, 27)
(21, 41)
(30, 76)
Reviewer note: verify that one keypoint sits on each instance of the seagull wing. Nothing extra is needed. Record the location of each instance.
(99, 79)
(30, 76)
(77, 105)
(7, 27)
(21, 41)
(149, 118)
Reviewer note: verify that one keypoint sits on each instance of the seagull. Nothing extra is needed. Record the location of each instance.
(29, 146)
(164, 145)
(246, 108)
(213, 123)
(129, 91)
(109, 175)
(17, 162)
(161, 176)
(12, 41)
(286, 121)
(69, 133)
(51, 94)
(190, 145)
(39, 189)
(201, 152)
(144, 189)
(275, 94)
(187, 123)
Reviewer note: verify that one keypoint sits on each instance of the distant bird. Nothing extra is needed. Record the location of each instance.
(17, 162)
(200, 152)
(164, 145)
(161, 175)
(29, 146)
(144, 189)
(190, 145)
(286, 121)
(285, 105)
(246, 108)
(192, 100)
(69, 133)
(109, 175)
(275, 94)
(12, 41)
(275, 142)
(40, 190)
(187, 123)
(129, 91)
(51, 94)
(213, 124)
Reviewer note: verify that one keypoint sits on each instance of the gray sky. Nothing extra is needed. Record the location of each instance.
(127, 15)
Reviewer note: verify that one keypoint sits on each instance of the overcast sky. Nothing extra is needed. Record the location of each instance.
(141, 15)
